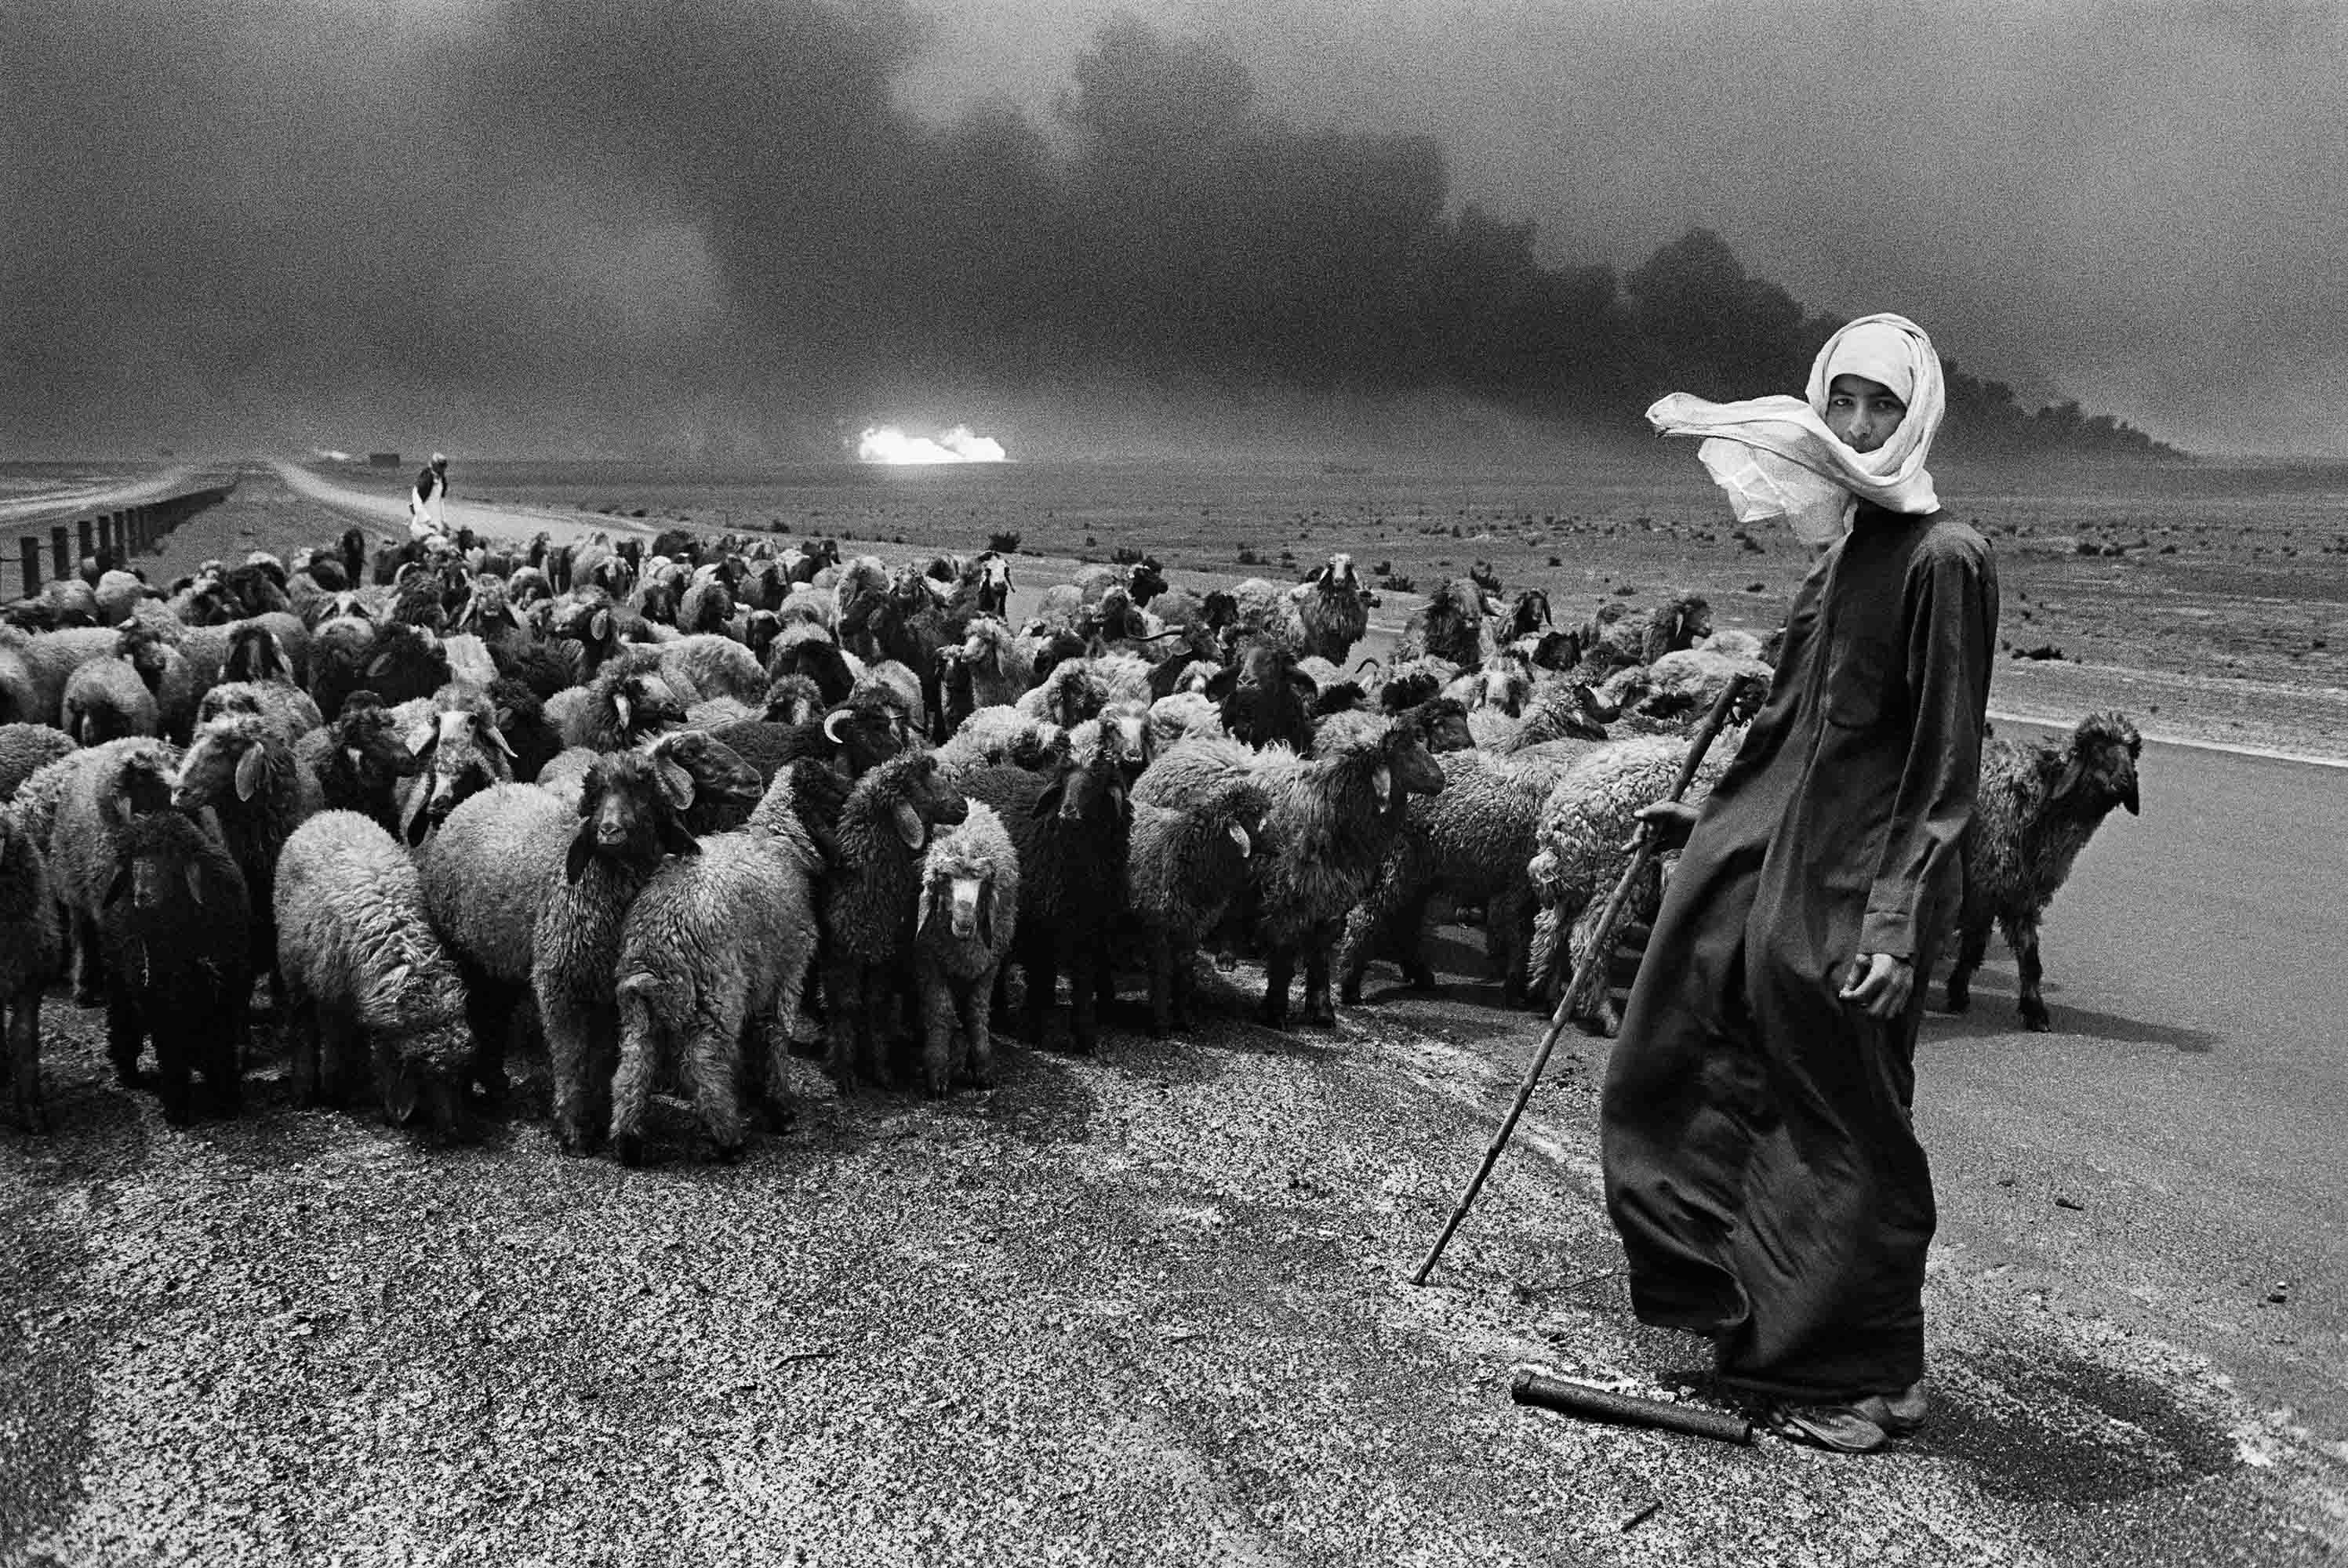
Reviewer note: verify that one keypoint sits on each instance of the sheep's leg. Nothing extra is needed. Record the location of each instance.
(1318, 1008)
(89, 990)
(1508, 932)
(631, 1081)
(488, 1012)
(937, 1033)
(1354, 947)
(1406, 930)
(126, 1034)
(175, 1048)
(978, 1038)
(301, 1040)
(714, 1057)
(2022, 935)
(1162, 982)
(24, 1059)
(843, 990)
(224, 1058)
(1085, 964)
(1043, 966)
(1279, 969)
(1182, 983)
(1972, 945)
(877, 1031)
(581, 1092)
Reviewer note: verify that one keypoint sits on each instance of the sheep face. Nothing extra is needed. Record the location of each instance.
(465, 754)
(1530, 615)
(965, 893)
(1146, 581)
(645, 704)
(1092, 793)
(818, 657)
(1126, 739)
(792, 700)
(223, 766)
(925, 802)
(725, 787)
(2099, 772)
(1264, 697)
(993, 574)
(760, 631)
(630, 813)
(255, 653)
(1412, 741)
(369, 744)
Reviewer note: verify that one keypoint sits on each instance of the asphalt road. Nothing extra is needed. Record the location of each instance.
(1154, 1306)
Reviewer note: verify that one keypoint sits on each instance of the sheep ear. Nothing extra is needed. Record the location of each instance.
(599, 625)
(927, 904)
(497, 738)
(1382, 781)
(248, 773)
(674, 781)
(195, 877)
(675, 838)
(118, 884)
(1240, 837)
(2075, 772)
(909, 825)
(1220, 684)
(987, 913)
(1049, 801)
(582, 850)
(401, 1095)
(620, 706)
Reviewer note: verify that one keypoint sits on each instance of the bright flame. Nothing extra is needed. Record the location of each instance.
(887, 444)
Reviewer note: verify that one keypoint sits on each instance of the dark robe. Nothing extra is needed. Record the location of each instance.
(1760, 1162)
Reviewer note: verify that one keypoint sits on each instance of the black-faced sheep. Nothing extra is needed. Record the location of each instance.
(105, 700)
(868, 903)
(1071, 829)
(1184, 866)
(176, 923)
(2040, 802)
(398, 662)
(963, 930)
(628, 700)
(1265, 698)
(367, 979)
(241, 769)
(858, 736)
(96, 790)
(358, 761)
(167, 675)
(32, 949)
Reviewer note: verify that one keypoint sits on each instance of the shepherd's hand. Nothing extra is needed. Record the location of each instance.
(1669, 822)
(1881, 983)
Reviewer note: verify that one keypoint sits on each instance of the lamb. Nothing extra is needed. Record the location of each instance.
(2040, 802)
(32, 949)
(963, 928)
(242, 768)
(1002, 667)
(1583, 844)
(25, 749)
(1329, 824)
(1469, 843)
(868, 902)
(105, 699)
(175, 922)
(716, 944)
(1071, 829)
(361, 967)
(1184, 867)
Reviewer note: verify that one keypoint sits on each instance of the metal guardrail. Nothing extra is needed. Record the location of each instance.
(47, 551)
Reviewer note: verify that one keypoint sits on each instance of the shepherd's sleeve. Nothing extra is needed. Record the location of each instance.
(1951, 631)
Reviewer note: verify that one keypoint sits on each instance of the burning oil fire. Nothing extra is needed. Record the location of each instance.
(887, 444)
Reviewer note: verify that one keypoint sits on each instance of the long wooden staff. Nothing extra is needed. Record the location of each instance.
(1599, 953)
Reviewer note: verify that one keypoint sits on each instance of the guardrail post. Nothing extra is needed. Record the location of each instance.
(60, 551)
(31, 556)
(82, 538)
(105, 541)
(138, 529)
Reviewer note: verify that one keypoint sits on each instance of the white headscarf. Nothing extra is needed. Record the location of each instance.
(1776, 459)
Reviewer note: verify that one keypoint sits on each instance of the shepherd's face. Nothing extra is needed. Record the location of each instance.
(1862, 413)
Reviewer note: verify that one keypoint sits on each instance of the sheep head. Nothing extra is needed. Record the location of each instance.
(1531, 614)
(792, 700)
(1090, 791)
(464, 752)
(919, 800)
(961, 882)
(158, 858)
(866, 733)
(226, 763)
(255, 653)
(2099, 769)
(1411, 741)
(721, 789)
(1264, 697)
(630, 813)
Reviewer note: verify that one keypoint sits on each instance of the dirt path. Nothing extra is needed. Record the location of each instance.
(505, 522)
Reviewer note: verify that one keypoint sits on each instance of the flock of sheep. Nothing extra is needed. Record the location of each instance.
(680, 799)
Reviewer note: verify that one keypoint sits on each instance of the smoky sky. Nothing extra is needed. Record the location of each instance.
(579, 225)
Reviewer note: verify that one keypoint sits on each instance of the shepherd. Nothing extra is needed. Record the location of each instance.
(426, 503)
(1761, 1163)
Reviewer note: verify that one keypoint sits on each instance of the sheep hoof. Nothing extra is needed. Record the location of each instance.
(628, 1150)
(1350, 993)
(2039, 1022)
(1959, 1001)
(728, 1153)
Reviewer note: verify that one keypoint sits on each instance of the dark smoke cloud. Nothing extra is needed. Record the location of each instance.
(731, 224)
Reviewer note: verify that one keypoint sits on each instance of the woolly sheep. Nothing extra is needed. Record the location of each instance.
(175, 920)
(32, 948)
(96, 790)
(358, 761)
(1184, 867)
(25, 749)
(364, 972)
(1582, 843)
(715, 946)
(964, 925)
(628, 699)
(459, 752)
(34, 669)
(2040, 802)
(993, 735)
(241, 769)
(105, 699)
(168, 676)
(1451, 625)
(712, 665)
(1333, 609)
(1180, 715)
(287, 706)
(869, 903)
(1469, 844)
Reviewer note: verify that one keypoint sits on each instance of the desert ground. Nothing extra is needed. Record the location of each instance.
(1154, 1305)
